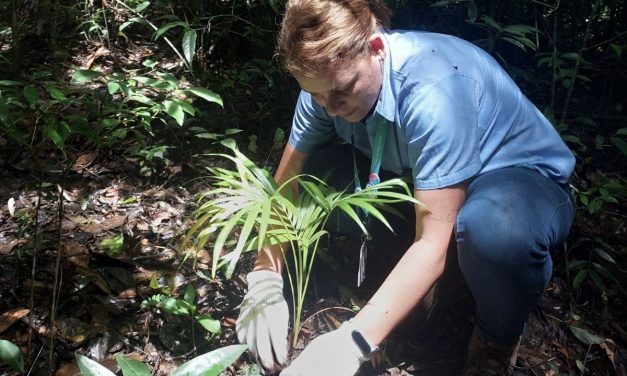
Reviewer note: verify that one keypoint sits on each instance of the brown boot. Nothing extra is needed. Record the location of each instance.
(486, 358)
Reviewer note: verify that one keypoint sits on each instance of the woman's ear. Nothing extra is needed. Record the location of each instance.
(376, 45)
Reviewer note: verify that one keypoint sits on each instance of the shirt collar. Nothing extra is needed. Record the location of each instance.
(386, 103)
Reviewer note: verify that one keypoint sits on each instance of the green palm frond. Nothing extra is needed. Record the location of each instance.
(247, 202)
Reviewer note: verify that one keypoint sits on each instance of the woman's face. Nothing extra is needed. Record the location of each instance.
(349, 92)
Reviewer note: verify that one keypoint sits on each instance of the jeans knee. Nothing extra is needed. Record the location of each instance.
(495, 238)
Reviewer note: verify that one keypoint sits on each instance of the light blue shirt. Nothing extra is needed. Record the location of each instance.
(452, 112)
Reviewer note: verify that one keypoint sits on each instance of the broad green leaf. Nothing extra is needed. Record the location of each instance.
(212, 363)
(114, 246)
(142, 6)
(167, 27)
(177, 306)
(229, 143)
(579, 278)
(91, 368)
(586, 336)
(232, 131)
(113, 87)
(57, 133)
(190, 294)
(206, 94)
(621, 132)
(130, 22)
(596, 279)
(9, 83)
(149, 63)
(189, 45)
(603, 271)
(572, 139)
(604, 255)
(210, 324)
(85, 75)
(31, 95)
(150, 81)
(577, 264)
(618, 50)
(173, 81)
(207, 135)
(490, 21)
(139, 98)
(132, 367)
(620, 145)
(55, 93)
(11, 355)
(175, 110)
(186, 106)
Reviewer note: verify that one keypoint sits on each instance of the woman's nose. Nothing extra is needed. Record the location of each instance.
(334, 105)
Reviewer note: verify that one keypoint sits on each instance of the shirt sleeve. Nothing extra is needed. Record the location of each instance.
(312, 127)
(440, 121)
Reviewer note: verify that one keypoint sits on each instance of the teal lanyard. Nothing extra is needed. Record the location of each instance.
(373, 179)
(377, 154)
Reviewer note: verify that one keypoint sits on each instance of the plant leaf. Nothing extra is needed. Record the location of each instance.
(206, 94)
(132, 367)
(85, 75)
(189, 45)
(55, 93)
(167, 27)
(211, 363)
(11, 355)
(604, 255)
(579, 278)
(31, 95)
(585, 336)
(190, 294)
(175, 110)
(210, 324)
(91, 368)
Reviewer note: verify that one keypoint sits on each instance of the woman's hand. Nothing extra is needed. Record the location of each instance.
(263, 320)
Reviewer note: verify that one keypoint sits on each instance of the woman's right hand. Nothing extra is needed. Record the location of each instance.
(263, 319)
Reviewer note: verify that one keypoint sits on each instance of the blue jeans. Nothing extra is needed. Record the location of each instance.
(510, 222)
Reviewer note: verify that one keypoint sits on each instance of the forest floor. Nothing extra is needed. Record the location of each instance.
(111, 244)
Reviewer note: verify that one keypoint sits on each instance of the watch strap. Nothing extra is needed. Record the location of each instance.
(363, 345)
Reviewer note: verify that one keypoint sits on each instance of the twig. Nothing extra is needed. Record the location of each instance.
(34, 361)
(33, 267)
(324, 310)
(604, 42)
(58, 272)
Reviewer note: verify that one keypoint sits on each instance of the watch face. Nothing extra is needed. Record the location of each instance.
(363, 345)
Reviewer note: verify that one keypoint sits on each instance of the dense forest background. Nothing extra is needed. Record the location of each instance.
(109, 111)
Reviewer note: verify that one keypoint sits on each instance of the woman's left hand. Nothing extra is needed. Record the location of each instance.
(335, 353)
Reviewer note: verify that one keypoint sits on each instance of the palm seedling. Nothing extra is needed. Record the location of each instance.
(246, 204)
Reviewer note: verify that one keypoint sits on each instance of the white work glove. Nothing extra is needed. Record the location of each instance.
(263, 319)
(336, 353)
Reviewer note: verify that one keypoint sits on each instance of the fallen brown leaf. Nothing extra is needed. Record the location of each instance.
(11, 317)
(83, 161)
(73, 248)
(109, 196)
(113, 222)
(5, 249)
(90, 59)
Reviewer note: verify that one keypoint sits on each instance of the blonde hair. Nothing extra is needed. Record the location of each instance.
(323, 35)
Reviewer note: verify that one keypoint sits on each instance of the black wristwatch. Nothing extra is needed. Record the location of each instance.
(362, 343)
